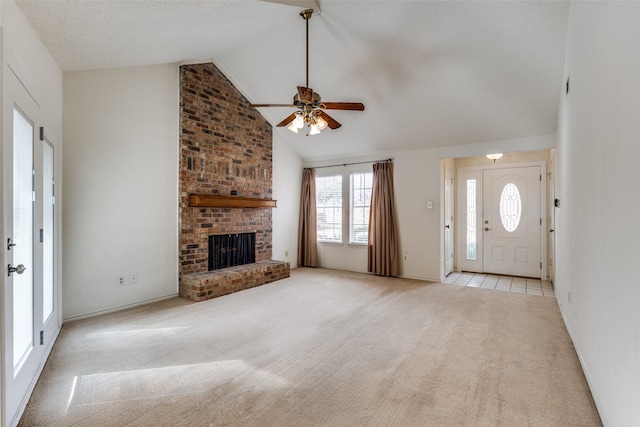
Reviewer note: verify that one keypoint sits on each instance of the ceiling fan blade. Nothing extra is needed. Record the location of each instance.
(288, 120)
(353, 106)
(333, 123)
(271, 105)
(306, 94)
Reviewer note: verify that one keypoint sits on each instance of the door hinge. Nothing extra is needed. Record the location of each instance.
(541, 266)
(540, 221)
(540, 177)
(41, 235)
(41, 133)
(41, 337)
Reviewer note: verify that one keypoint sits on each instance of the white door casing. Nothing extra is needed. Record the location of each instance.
(448, 219)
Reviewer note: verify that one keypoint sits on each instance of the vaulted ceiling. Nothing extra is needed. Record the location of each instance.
(430, 73)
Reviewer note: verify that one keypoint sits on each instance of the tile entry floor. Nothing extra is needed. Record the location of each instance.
(522, 285)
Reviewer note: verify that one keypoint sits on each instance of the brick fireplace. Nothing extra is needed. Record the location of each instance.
(225, 150)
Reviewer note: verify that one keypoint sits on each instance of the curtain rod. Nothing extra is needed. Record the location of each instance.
(349, 164)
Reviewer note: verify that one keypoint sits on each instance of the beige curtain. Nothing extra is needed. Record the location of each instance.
(383, 235)
(307, 232)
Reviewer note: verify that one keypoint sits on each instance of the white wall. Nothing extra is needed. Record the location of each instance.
(121, 184)
(508, 158)
(597, 222)
(287, 182)
(36, 68)
(418, 180)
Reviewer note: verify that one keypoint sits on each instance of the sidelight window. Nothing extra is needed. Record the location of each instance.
(471, 220)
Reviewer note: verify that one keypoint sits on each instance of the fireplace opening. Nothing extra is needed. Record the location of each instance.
(229, 250)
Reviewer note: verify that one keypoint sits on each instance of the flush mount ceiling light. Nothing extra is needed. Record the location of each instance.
(310, 104)
(494, 157)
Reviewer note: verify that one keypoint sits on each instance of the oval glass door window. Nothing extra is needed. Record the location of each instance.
(510, 207)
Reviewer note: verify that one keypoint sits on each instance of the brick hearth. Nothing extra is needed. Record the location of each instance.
(212, 284)
(225, 146)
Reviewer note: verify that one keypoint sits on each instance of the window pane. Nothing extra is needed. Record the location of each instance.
(22, 237)
(471, 219)
(48, 237)
(361, 184)
(510, 207)
(329, 207)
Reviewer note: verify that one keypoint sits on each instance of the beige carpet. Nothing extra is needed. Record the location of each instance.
(322, 348)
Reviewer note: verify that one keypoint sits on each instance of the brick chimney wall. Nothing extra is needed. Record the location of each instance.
(225, 145)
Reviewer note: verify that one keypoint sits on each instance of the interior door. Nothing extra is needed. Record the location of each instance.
(448, 219)
(30, 306)
(512, 221)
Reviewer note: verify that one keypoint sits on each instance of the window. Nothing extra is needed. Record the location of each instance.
(510, 207)
(342, 200)
(329, 208)
(471, 220)
(361, 184)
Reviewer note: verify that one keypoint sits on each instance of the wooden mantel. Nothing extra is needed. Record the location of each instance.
(211, 201)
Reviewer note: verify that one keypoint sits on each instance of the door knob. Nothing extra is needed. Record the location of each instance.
(487, 229)
(19, 269)
(447, 226)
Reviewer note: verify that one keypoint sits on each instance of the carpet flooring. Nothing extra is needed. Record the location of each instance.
(322, 348)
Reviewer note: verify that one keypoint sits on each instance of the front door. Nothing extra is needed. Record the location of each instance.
(512, 221)
(30, 306)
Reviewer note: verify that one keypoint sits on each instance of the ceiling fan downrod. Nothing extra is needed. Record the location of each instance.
(306, 15)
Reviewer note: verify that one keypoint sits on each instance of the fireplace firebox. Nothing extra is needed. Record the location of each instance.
(230, 250)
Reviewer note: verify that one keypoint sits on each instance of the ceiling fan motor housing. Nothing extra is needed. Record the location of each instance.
(315, 101)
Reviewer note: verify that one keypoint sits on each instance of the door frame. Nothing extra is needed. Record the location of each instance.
(448, 215)
(12, 84)
(477, 172)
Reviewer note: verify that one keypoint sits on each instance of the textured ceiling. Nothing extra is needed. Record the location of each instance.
(429, 73)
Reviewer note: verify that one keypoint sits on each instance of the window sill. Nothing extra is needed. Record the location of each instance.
(352, 245)
(358, 245)
(329, 243)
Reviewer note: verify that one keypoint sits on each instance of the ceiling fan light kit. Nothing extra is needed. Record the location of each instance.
(310, 103)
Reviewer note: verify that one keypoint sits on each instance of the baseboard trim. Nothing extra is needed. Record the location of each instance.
(118, 308)
(367, 272)
(585, 370)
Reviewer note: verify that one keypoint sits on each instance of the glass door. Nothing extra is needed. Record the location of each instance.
(30, 304)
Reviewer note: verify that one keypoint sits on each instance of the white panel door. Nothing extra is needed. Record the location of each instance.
(512, 221)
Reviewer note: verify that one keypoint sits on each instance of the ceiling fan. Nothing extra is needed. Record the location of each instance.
(309, 103)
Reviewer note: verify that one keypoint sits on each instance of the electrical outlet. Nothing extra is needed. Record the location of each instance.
(405, 257)
(286, 254)
(120, 281)
(133, 279)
